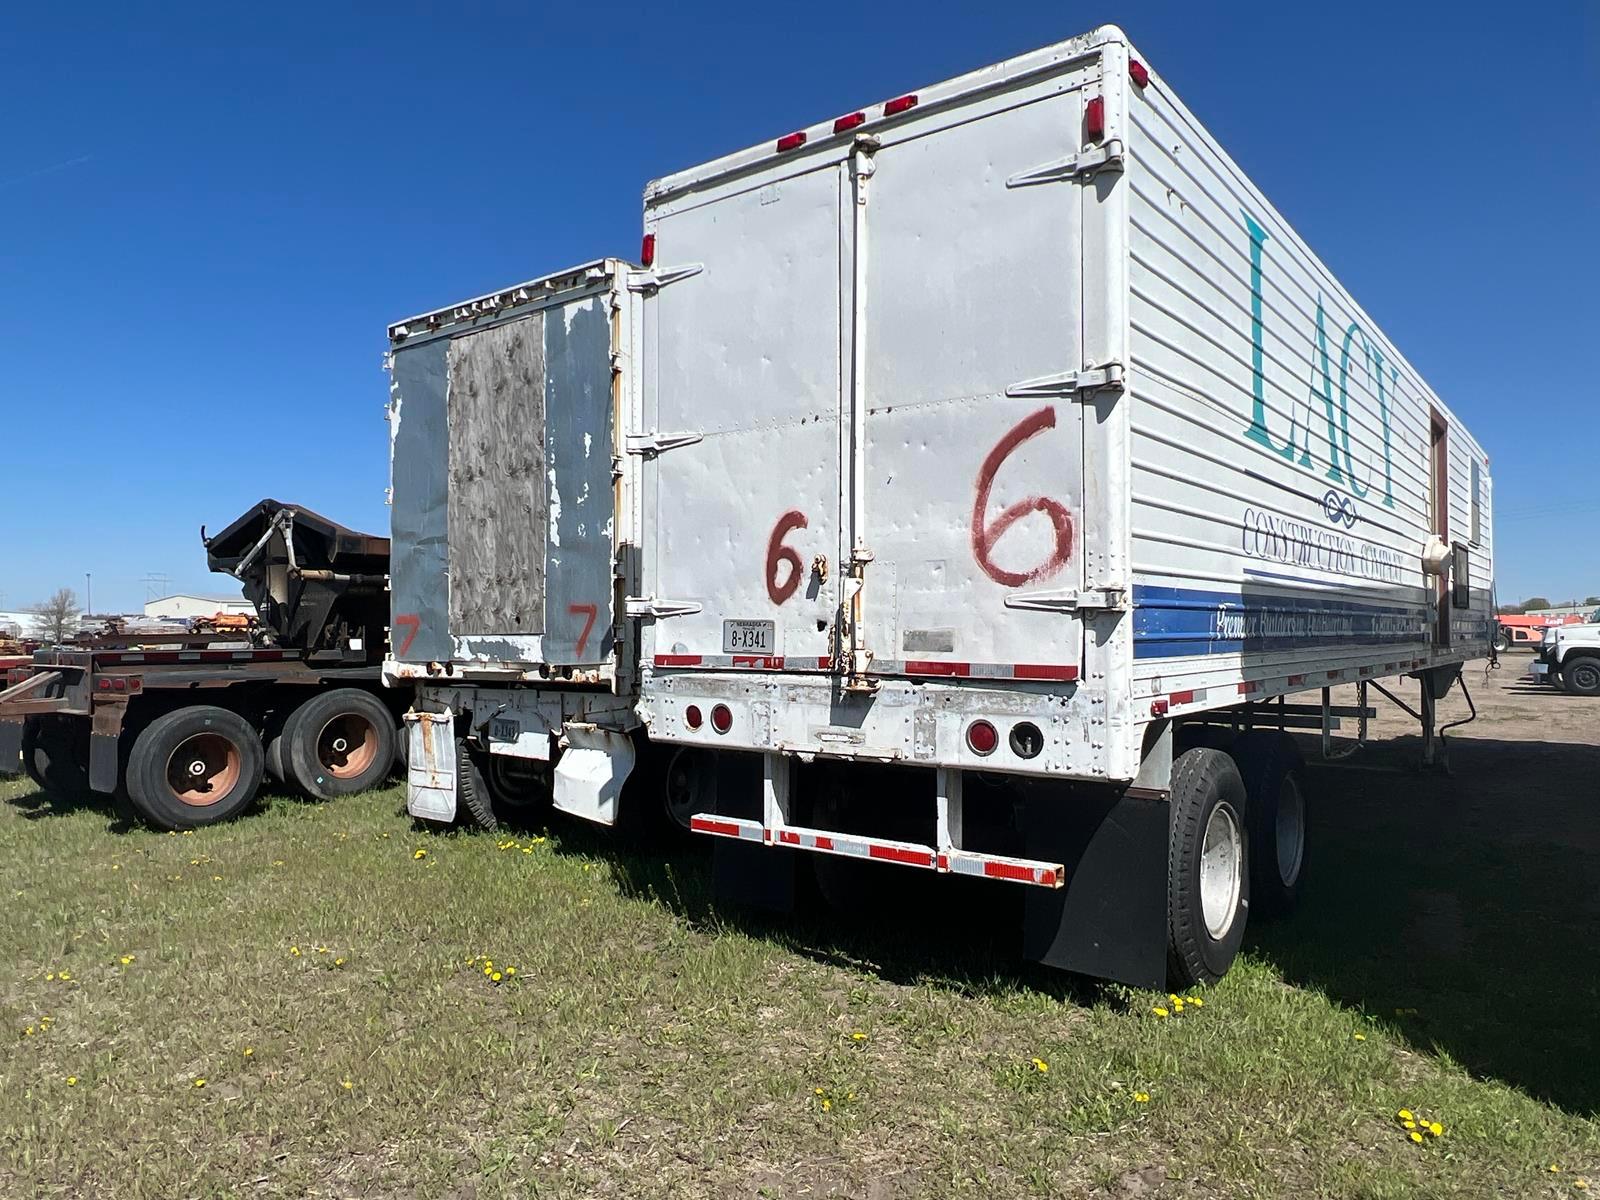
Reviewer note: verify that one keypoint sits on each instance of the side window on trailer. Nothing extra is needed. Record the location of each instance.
(1461, 577)
(1477, 503)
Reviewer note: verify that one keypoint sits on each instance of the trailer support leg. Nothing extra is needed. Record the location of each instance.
(948, 818)
(1429, 709)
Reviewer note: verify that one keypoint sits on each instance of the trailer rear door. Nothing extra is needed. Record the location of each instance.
(870, 453)
(973, 479)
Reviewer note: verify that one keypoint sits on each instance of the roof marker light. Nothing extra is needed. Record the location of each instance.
(899, 105)
(792, 141)
(849, 121)
(647, 251)
(1139, 73)
(1094, 119)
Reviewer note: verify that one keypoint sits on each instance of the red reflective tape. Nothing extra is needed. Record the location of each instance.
(824, 662)
(1294, 679)
(919, 667)
(706, 825)
(1005, 870)
(678, 660)
(1246, 688)
(1062, 673)
(824, 843)
(1181, 698)
(758, 662)
(943, 862)
(899, 854)
(788, 837)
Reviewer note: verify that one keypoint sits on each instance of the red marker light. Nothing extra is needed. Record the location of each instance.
(647, 251)
(791, 141)
(721, 718)
(899, 105)
(849, 121)
(1139, 73)
(982, 737)
(1094, 119)
(692, 716)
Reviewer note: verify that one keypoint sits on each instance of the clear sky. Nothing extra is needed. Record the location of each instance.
(208, 214)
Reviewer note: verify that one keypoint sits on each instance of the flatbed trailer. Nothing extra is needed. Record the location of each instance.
(182, 728)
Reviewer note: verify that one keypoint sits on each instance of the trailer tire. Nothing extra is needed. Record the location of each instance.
(339, 743)
(519, 789)
(473, 802)
(48, 758)
(1208, 875)
(1581, 675)
(195, 766)
(1270, 765)
(272, 758)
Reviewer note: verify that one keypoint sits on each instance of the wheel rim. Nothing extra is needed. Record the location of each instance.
(515, 782)
(1585, 676)
(347, 745)
(1291, 831)
(203, 769)
(1221, 870)
(681, 796)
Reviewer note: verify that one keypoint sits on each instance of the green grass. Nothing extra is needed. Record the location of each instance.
(650, 1045)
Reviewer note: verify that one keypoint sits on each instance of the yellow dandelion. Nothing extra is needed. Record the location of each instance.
(116, 866)
(1404, 1114)
(338, 962)
(248, 1051)
(1177, 1006)
(511, 970)
(495, 977)
(1436, 1129)
(28, 1032)
(187, 832)
(827, 1105)
(294, 951)
(1197, 1002)
(347, 1084)
(1041, 1066)
(1414, 1136)
(1159, 1011)
(1553, 1167)
(63, 976)
(1409, 1124)
(44, 1022)
(50, 978)
(1581, 1184)
(1141, 1097)
(419, 853)
(1360, 1037)
(72, 1081)
(858, 1036)
(126, 959)
(277, 862)
(199, 1083)
(817, 1091)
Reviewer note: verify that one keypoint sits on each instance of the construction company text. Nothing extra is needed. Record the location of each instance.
(1279, 539)
(1343, 465)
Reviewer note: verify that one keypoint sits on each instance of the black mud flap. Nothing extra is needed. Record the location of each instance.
(10, 747)
(104, 763)
(1110, 920)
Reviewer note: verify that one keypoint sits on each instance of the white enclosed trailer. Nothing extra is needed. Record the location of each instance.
(514, 505)
(1004, 427)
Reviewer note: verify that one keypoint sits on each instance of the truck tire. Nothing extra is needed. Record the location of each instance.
(1581, 675)
(1271, 767)
(519, 789)
(51, 760)
(1208, 870)
(1502, 639)
(339, 743)
(472, 791)
(196, 766)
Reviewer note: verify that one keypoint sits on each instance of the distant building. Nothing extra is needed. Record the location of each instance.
(15, 623)
(1565, 610)
(186, 605)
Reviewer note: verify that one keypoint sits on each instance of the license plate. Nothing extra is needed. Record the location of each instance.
(748, 637)
(503, 729)
(1540, 668)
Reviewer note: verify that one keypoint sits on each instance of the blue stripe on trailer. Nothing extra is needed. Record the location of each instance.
(1177, 622)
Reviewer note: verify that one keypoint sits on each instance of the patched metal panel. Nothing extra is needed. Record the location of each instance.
(578, 432)
(496, 479)
(419, 517)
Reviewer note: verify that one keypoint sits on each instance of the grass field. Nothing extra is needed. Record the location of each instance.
(296, 1004)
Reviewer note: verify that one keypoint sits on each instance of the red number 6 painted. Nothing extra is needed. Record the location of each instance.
(985, 536)
(777, 553)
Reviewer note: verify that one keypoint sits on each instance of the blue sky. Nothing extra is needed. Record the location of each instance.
(207, 216)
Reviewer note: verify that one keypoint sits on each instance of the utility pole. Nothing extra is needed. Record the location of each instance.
(88, 593)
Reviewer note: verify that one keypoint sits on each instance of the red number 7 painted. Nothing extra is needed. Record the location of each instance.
(411, 623)
(588, 610)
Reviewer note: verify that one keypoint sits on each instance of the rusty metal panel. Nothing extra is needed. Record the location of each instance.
(419, 517)
(582, 516)
(497, 508)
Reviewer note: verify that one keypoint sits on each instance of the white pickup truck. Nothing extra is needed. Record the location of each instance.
(1569, 657)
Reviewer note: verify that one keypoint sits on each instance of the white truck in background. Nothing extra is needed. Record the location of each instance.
(987, 466)
(1569, 657)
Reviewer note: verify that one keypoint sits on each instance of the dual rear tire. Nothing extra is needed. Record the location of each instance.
(1237, 844)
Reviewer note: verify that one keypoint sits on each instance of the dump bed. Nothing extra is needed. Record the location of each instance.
(1013, 395)
(509, 482)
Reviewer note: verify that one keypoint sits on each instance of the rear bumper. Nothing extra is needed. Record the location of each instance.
(917, 723)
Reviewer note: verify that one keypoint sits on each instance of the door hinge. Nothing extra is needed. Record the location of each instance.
(1080, 384)
(650, 444)
(1082, 166)
(653, 281)
(649, 606)
(1106, 599)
